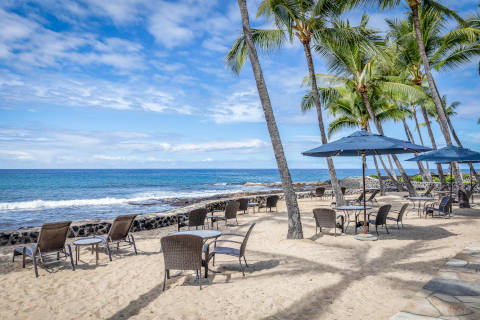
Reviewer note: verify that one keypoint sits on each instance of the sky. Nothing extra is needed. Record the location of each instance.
(143, 84)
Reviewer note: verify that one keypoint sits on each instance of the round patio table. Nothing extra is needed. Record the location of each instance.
(86, 242)
(205, 235)
(348, 209)
(420, 199)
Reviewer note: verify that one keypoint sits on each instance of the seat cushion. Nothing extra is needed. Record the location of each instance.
(226, 250)
(393, 219)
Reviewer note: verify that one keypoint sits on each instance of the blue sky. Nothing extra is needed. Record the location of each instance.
(142, 84)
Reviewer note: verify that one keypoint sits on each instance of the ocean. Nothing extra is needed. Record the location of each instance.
(33, 197)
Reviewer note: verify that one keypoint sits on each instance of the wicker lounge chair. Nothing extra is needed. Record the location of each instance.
(243, 205)
(399, 218)
(444, 207)
(380, 218)
(51, 239)
(327, 218)
(119, 232)
(230, 212)
(358, 200)
(271, 203)
(195, 218)
(182, 252)
(320, 192)
(239, 253)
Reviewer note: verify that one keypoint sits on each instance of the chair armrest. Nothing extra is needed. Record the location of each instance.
(233, 234)
(182, 216)
(232, 241)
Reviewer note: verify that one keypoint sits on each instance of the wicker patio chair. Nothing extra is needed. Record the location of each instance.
(195, 218)
(182, 252)
(243, 205)
(230, 212)
(380, 218)
(463, 199)
(444, 207)
(51, 240)
(119, 232)
(343, 189)
(399, 218)
(271, 203)
(239, 253)
(327, 218)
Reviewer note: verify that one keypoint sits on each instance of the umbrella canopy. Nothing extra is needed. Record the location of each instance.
(449, 154)
(363, 142)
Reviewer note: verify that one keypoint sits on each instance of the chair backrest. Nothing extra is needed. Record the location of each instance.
(360, 197)
(402, 212)
(344, 189)
(197, 217)
(429, 190)
(463, 199)
(272, 201)
(243, 246)
(382, 214)
(243, 204)
(231, 209)
(120, 227)
(374, 193)
(182, 252)
(320, 191)
(52, 236)
(324, 217)
(445, 204)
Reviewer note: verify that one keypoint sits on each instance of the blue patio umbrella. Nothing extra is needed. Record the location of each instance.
(363, 143)
(448, 155)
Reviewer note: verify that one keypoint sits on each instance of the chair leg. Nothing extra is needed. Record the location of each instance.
(71, 256)
(241, 266)
(199, 275)
(35, 265)
(133, 243)
(376, 229)
(236, 220)
(24, 257)
(213, 260)
(109, 252)
(244, 259)
(164, 280)
(387, 228)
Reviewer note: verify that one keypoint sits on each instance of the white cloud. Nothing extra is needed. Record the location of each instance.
(242, 106)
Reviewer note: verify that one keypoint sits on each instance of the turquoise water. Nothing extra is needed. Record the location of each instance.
(33, 197)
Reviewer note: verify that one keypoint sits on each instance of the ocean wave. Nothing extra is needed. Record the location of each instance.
(220, 184)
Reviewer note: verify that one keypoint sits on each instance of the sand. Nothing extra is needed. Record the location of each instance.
(319, 277)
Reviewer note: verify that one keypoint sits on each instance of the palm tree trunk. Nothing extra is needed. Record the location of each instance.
(379, 174)
(394, 173)
(412, 140)
(331, 169)
(429, 174)
(431, 84)
(443, 182)
(294, 222)
(406, 178)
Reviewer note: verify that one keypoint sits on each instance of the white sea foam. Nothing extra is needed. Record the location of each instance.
(136, 198)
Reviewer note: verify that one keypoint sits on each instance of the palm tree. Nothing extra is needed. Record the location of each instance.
(305, 20)
(358, 68)
(414, 5)
(294, 222)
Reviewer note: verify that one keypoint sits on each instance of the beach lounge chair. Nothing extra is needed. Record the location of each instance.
(399, 218)
(195, 218)
(182, 252)
(239, 253)
(51, 239)
(372, 196)
(230, 212)
(243, 205)
(327, 218)
(119, 232)
(428, 192)
(271, 203)
(320, 192)
(444, 207)
(380, 218)
(359, 200)
(463, 199)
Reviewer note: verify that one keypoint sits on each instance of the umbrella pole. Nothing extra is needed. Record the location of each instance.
(364, 196)
(451, 176)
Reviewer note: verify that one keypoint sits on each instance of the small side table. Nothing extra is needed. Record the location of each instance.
(86, 242)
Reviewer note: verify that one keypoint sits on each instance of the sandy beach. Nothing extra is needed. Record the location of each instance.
(319, 277)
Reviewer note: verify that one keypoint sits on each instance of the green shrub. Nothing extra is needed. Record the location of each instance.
(400, 179)
(449, 179)
(466, 176)
(418, 178)
(436, 179)
(374, 176)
